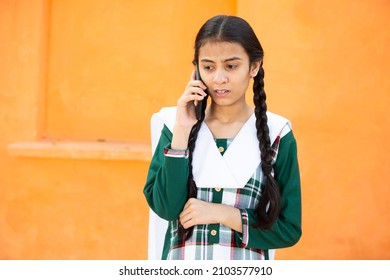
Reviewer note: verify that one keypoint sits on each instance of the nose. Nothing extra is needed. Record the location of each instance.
(220, 77)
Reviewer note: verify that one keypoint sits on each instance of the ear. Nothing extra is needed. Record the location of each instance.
(255, 67)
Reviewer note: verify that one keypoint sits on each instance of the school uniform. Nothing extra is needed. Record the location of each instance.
(225, 171)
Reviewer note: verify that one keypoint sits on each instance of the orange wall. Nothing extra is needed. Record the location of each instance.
(79, 81)
(327, 69)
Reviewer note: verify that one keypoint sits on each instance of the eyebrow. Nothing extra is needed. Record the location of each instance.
(226, 60)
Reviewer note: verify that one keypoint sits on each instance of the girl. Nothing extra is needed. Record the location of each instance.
(228, 184)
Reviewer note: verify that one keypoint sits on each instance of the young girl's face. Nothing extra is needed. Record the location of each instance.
(226, 71)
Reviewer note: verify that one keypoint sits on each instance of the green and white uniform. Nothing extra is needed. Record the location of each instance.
(225, 171)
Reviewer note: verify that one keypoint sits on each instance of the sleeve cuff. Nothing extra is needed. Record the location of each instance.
(168, 152)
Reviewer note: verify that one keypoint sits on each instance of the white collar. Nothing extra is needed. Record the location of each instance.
(234, 169)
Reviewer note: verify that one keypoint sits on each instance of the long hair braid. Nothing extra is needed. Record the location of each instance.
(269, 205)
(191, 185)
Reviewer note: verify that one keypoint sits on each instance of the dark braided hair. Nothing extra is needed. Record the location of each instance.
(269, 205)
(191, 185)
(233, 29)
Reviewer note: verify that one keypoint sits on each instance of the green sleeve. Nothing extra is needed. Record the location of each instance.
(287, 229)
(166, 183)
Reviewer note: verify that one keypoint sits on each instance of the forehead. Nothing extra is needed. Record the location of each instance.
(220, 51)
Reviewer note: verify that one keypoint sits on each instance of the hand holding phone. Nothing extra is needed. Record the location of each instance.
(198, 104)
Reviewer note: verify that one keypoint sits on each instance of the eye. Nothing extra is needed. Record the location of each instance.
(208, 67)
(232, 66)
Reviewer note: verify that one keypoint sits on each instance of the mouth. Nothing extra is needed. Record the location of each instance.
(221, 92)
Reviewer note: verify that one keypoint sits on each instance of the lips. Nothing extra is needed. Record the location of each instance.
(221, 92)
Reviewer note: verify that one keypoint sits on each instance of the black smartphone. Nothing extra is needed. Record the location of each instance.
(198, 106)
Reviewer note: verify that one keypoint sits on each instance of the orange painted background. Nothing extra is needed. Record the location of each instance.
(79, 81)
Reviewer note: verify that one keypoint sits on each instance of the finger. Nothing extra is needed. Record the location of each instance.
(184, 220)
(188, 224)
(184, 100)
(192, 97)
(191, 201)
(188, 203)
(197, 83)
(197, 90)
(187, 220)
(185, 224)
(192, 77)
(197, 98)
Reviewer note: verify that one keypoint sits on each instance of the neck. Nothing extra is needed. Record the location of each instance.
(228, 114)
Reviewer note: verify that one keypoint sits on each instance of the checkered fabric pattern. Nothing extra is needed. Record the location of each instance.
(215, 241)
